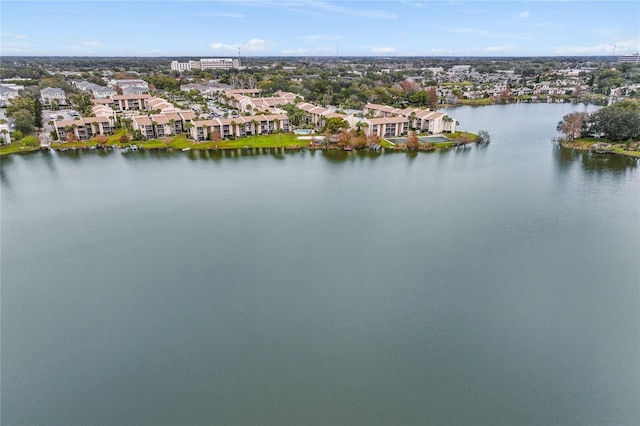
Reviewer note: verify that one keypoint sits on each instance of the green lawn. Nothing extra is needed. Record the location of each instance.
(15, 147)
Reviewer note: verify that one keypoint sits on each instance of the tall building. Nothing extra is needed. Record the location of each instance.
(630, 58)
(206, 64)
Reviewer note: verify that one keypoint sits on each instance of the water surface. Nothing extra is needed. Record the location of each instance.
(493, 285)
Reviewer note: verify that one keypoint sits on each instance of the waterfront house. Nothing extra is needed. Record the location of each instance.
(238, 127)
(84, 128)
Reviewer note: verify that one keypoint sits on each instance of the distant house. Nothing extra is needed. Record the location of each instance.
(97, 91)
(8, 92)
(49, 95)
(5, 134)
(130, 87)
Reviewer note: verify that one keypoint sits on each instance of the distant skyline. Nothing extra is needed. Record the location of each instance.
(319, 28)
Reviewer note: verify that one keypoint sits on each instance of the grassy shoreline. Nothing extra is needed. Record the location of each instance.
(181, 142)
(584, 144)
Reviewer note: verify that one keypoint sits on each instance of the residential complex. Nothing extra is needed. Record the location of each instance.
(206, 64)
(50, 95)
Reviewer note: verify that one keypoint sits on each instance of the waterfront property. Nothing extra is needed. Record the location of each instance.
(237, 127)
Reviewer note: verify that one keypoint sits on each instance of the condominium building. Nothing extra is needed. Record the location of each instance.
(206, 64)
(51, 94)
(239, 126)
(630, 58)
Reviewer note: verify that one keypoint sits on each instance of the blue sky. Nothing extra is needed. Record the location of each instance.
(319, 28)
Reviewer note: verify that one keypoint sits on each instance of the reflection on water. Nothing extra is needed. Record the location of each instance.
(616, 165)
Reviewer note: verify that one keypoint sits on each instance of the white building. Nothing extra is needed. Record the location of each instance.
(206, 64)
(5, 133)
(8, 92)
(51, 94)
(100, 92)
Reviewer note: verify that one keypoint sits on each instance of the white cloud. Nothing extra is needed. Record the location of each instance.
(318, 37)
(222, 46)
(500, 49)
(621, 47)
(257, 45)
(383, 50)
(13, 35)
(299, 51)
(524, 14)
(93, 43)
(253, 45)
(332, 9)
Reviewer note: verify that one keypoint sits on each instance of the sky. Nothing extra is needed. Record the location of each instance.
(222, 28)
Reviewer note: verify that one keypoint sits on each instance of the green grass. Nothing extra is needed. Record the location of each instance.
(621, 151)
(16, 147)
(279, 140)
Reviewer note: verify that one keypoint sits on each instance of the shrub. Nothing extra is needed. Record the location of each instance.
(31, 141)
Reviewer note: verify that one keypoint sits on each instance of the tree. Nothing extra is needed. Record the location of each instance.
(373, 140)
(101, 139)
(20, 103)
(335, 124)
(23, 120)
(71, 137)
(413, 143)
(572, 125)
(616, 124)
(37, 113)
(31, 141)
(214, 136)
(483, 137)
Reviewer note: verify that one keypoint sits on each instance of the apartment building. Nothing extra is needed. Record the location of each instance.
(8, 92)
(130, 87)
(50, 94)
(97, 91)
(421, 119)
(130, 102)
(206, 64)
(240, 101)
(239, 126)
(84, 128)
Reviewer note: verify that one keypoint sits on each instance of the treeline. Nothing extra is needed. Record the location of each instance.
(617, 122)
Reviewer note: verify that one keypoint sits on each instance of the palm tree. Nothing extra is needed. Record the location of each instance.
(254, 125)
(233, 128)
(188, 127)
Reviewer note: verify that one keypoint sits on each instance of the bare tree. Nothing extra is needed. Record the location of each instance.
(413, 143)
(572, 125)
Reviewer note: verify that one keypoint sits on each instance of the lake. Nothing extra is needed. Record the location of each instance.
(490, 285)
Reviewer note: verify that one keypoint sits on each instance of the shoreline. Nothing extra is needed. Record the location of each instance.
(284, 142)
(586, 146)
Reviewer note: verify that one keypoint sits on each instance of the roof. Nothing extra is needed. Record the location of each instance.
(187, 115)
(52, 91)
(123, 97)
(388, 120)
(142, 120)
(240, 120)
